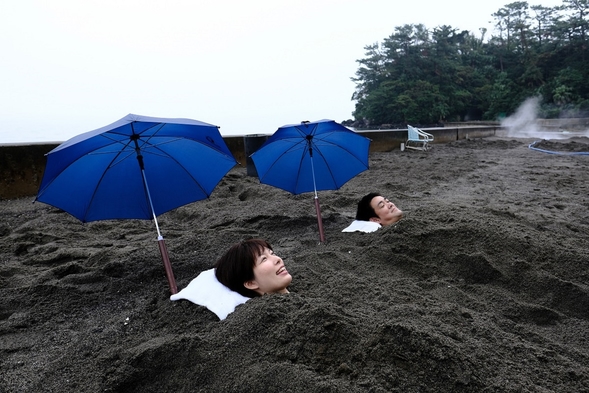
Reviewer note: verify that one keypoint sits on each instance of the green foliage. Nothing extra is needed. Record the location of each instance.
(425, 77)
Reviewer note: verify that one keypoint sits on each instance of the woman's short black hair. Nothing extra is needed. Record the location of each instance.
(365, 212)
(236, 266)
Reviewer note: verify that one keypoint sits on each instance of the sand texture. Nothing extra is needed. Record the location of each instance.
(482, 287)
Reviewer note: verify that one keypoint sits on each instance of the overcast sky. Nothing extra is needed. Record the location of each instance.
(71, 66)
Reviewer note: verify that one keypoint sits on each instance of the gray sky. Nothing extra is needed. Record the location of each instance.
(71, 66)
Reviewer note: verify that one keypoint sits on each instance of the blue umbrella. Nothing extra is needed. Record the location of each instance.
(311, 156)
(136, 168)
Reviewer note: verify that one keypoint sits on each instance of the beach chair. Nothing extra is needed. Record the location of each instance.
(418, 139)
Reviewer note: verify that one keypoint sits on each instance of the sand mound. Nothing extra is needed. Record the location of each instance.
(483, 286)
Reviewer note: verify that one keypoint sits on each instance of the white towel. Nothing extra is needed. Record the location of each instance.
(206, 290)
(362, 226)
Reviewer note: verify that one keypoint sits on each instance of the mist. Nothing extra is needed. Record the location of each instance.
(524, 123)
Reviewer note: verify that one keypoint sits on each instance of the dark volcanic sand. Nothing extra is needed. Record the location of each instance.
(484, 286)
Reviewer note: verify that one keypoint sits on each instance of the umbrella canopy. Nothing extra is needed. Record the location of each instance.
(135, 168)
(96, 176)
(311, 156)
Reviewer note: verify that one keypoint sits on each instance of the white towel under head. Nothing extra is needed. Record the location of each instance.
(205, 290)
(362, 226)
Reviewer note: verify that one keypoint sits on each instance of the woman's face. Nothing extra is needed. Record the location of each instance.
(270, 274)
(386, 211)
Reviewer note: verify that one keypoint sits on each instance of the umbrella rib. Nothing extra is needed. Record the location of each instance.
(189, 174)
(118, 153)
(329, 167)
(300, 166)
(331, 172)
(303, 133)
(162, 153)
(148, 144)
(126, 144)
(152, 148)
(112, 163)
(147, 140)
(295, 143)
(305, 150)
(322, 138)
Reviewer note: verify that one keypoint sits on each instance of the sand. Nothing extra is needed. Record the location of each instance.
(483, 286)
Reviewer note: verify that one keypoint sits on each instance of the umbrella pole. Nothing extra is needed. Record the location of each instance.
(317, 208)
(167, 265)
(319, 220)
(163, 250)
(161, 242)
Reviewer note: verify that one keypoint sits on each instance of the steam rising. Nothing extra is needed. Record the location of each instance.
(524, 124)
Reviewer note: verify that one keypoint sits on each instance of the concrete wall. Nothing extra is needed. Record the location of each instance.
(387, 140)
(21, 169)
(22, 166)
(567, 124)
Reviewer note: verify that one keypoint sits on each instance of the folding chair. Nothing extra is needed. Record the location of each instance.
(418, 139)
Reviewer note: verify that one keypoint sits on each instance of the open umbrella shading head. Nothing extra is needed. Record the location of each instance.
(311, 156)
(98, 175)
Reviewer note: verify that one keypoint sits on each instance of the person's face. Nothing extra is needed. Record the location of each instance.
(386, 211)
(270, 274)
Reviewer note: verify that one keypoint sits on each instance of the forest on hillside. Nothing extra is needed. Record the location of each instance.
(425, 76)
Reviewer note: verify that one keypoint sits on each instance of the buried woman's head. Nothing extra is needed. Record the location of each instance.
(251, 269)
